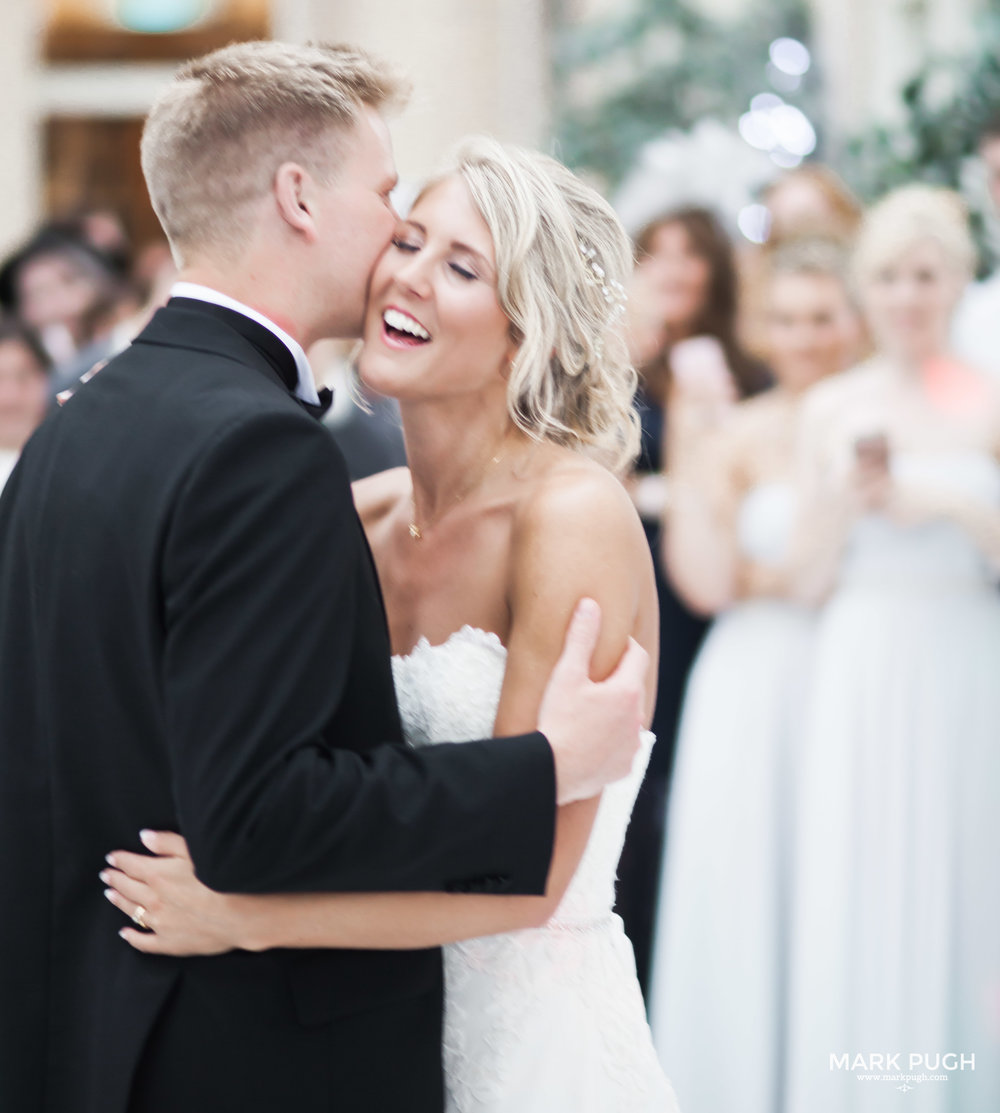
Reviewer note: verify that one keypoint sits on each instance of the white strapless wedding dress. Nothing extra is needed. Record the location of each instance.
(542, 1020)
(717, 992)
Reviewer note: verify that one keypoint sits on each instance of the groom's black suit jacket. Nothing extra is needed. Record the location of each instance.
(192, 638)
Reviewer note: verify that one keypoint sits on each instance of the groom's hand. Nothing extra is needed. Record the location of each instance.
(592, 727)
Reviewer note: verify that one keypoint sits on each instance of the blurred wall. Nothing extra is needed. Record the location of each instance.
(20, 144)
(477, 67)
(868, 50)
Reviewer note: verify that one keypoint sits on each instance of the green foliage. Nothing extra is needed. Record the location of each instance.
(624, 81)
(945, 108)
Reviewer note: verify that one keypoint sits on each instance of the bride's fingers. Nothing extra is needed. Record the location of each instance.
(140, 866)
(136, 891)
(129, 907)
(165, 843)
(143, 941)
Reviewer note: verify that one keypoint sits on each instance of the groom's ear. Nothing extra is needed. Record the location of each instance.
(294, 195)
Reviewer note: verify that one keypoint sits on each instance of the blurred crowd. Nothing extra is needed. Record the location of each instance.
(71, 296)
(808, 869)
(809, 872)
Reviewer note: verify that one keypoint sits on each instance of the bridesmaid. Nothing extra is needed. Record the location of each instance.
(684, 287)
(718, 956)
(896, 917)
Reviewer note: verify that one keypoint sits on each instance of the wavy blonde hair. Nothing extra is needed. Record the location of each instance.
(562, 262)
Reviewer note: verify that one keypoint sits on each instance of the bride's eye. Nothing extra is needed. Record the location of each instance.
(464, 272)
(401, 244)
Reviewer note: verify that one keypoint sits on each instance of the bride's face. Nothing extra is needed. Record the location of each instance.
(434, 327)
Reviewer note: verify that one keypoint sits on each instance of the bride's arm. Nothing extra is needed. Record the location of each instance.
(579, 536)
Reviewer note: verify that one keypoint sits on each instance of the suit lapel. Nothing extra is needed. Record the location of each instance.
(197, 326)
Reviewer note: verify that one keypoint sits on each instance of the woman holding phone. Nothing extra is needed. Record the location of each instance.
(681, 317)
(896, 915)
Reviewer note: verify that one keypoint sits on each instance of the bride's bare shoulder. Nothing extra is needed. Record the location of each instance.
(377, 495)
(575, 501)
(576, 533)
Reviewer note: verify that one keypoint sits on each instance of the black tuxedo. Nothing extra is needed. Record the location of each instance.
(192, 638)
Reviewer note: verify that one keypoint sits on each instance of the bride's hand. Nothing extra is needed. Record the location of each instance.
(183, 915)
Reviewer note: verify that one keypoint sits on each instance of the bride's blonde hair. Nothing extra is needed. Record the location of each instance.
(562, 262)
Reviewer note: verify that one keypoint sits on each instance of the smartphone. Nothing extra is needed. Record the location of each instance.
(872, 451)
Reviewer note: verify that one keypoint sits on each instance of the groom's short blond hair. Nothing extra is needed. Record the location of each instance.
(215, 137)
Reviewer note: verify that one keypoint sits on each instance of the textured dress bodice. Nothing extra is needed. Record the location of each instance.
(546, 1018)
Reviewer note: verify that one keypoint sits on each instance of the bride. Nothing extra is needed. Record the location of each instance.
(493, 318)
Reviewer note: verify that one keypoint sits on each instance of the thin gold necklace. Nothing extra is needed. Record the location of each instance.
(417, 532)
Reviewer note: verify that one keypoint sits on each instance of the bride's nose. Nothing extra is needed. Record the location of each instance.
(413, 274)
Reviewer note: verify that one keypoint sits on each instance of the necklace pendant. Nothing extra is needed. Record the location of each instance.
(415, 531)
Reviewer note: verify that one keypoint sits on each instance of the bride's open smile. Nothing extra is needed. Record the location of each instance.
(434, 324)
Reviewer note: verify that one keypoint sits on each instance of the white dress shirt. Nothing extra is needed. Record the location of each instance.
(8, 458)
(306, 386)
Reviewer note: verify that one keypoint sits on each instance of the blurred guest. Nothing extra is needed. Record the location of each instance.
(24, 393)
(717, 986)
(155, 272)
(810, 202)
(367, 426)
(104, 230)
(976, 331)
(896, 907)
(69, 293)
(683, 290)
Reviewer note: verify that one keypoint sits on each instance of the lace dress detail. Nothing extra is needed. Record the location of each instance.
(549, 1018)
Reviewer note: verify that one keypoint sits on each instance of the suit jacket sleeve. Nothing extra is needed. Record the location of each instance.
(260, 581)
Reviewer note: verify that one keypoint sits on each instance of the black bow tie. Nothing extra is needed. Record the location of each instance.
(325, 402)
(277, 353)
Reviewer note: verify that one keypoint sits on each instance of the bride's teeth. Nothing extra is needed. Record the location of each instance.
(403, 323)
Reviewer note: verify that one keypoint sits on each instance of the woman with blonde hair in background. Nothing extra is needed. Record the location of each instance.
(494, 319)
(717, 986)
(896, 917)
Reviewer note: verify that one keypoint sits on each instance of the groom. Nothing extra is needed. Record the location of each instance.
(191, 637)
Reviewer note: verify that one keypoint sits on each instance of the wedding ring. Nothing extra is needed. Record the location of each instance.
(139, 917)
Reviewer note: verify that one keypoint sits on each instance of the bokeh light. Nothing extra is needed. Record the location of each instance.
(160, 16)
